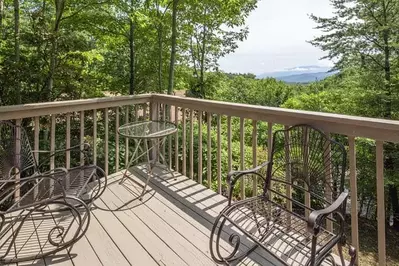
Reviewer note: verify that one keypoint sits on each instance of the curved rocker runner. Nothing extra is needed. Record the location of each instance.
(42, 213)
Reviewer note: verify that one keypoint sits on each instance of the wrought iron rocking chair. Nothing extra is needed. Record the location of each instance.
(41, 213)
(300, 216)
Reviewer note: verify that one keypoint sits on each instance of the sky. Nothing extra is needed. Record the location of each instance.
(278, 31)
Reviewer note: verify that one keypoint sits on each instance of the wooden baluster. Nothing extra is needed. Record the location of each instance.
(52, 150)
(17, 194)
(106, 141)
(164, 144)
(380, 203)
(136, 113)
(126, 139)
(353, 195)
(305, 143)
(269, 154)
(254, 156)
(68, 141)
(184, 144)
(200, 147)
(145, 111)
(191, 152)
(116, 139)
(170, 140)
(95, 136)
(37, 139)
(52, 141)
(288, 187)
(154, 116)
(328, 177)
(209, 150)
(36, 148)
(82, 136)
(229, 150)
(242, 157)
(177, 140)
(219, 155)
(163, 106)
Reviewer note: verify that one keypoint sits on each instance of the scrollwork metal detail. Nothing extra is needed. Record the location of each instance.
(59, 236)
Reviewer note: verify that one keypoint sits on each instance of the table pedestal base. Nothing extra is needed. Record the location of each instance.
(151, 163)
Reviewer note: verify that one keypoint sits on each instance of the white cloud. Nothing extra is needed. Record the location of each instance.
(278, 35)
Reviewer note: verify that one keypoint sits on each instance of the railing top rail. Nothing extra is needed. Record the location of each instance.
(378, 129)
(39, 109)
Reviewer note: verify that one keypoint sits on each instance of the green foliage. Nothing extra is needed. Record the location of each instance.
(241, 89)
(80, 49)
(235, 151)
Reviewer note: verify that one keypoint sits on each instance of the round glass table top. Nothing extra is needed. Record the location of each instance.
(147, 129)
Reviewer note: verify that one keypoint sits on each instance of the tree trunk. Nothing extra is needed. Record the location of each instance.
(160, 47)
(173, 52)
(1, 19)
(393, 195)
(131, 48)
(387, 70)
(17, 49)
(389, 148)
(202, 67)
(59, 10)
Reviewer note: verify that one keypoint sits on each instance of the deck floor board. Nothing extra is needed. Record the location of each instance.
(170, 226)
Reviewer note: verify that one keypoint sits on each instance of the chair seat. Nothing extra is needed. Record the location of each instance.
(280, 232)
(76, 182)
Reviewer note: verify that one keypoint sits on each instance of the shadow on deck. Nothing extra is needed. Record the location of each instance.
(170, 226)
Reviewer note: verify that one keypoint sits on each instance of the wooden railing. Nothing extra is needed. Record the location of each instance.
(61, 125)
(349, 127)
(205, 136)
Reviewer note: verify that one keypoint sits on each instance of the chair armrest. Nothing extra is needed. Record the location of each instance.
(234, 176)
(13, 177)
(316, 216)
(63, 150)
(11, 186)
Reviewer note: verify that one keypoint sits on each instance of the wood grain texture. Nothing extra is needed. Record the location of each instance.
(380, 203)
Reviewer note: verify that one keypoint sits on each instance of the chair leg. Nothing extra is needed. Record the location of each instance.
(352, 254)
(341, 255)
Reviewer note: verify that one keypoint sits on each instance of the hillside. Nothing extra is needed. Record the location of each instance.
(300, 74)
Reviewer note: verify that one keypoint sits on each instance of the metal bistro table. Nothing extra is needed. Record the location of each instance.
(143, 132)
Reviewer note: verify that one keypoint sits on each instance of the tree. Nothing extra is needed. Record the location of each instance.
(17, 48)
(131, 48)
(1, 17)
(212, 30)
(59, 12)
(364, 34)
(173, 49)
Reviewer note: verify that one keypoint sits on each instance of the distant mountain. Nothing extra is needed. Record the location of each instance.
(301, 74)
(306, 78)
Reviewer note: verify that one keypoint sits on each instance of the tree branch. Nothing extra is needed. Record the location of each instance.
(375, 60)
(371, 12)
(83, 8)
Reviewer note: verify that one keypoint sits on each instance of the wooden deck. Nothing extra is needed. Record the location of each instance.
(171, 226)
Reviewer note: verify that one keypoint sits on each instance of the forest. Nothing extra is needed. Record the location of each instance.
(73, 49)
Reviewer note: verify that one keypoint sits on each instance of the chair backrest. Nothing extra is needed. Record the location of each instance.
(307, 167)
(15, 150)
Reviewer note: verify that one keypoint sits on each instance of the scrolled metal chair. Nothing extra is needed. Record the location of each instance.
(41, 213)
(300, 215)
